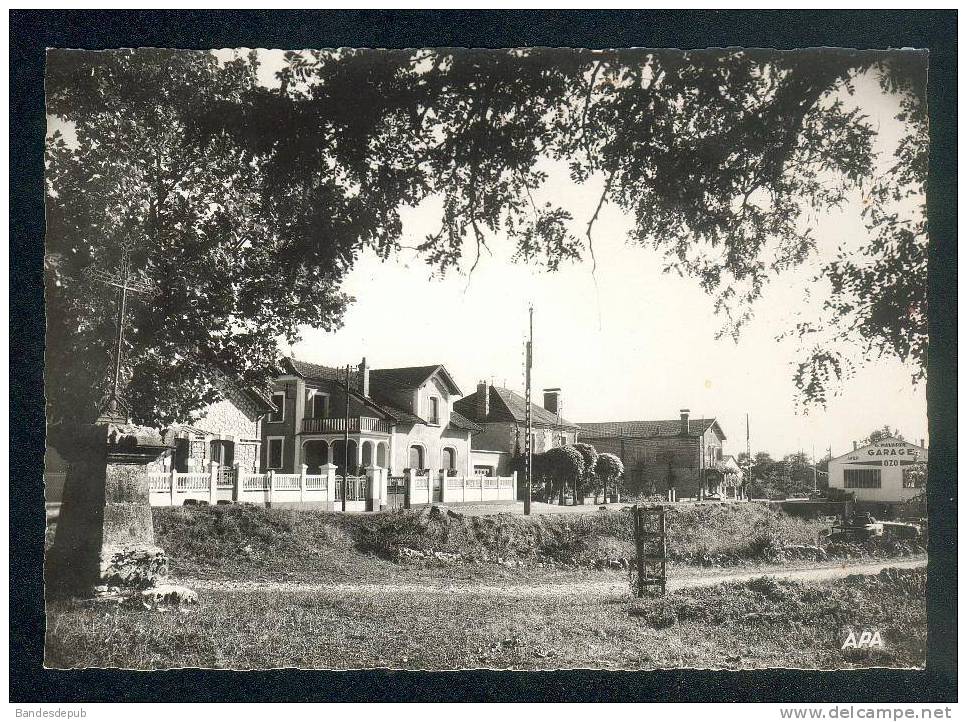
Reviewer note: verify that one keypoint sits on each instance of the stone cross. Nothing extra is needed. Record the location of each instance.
(125, 282)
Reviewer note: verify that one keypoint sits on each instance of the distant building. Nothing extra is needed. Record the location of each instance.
(879, 472)
(680, 454)
(502, 414)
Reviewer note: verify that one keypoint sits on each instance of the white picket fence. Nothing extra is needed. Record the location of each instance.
(460, 489)
(237, 485)
(363, 493)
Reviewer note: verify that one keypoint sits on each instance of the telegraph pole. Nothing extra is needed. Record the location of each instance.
(748, 456)
(345, 470)
(528, 449)
(815, 485)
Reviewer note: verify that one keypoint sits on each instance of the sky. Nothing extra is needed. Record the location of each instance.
(627, 342)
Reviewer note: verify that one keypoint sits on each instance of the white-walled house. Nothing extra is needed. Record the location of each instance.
(399, 419)
(876, 472)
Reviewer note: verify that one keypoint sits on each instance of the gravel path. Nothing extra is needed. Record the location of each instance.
(608, 587)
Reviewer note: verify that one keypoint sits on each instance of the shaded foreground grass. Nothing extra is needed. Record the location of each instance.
(762, 623)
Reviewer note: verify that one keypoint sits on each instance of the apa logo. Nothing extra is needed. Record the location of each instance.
(866, 640)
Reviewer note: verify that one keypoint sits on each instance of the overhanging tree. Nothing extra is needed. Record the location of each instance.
(246, 206)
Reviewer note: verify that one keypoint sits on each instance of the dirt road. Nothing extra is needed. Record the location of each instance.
(605, 587)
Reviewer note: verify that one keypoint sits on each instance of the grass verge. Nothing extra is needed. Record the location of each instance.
(757, 624)
(231, 542)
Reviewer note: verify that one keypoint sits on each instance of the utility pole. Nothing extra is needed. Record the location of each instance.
(748, 457)
(815, 485)
(345, 456)
(528, 447)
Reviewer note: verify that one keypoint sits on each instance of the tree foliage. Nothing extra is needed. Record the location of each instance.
(589, 482)
(231, 271)
(885, 432)
(246, 205)
(564, 466)
(609, 467)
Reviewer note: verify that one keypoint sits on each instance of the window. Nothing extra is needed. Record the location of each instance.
(479, 470)
(275, 452)
(861, 478)
(278, 401)
(416, 458)
(449, 459)
(434, 410)
(319, 406)
(222, 452)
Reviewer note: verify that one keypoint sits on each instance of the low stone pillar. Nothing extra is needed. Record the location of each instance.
(409, 484)
(372, 488)
(329, 472)
(105, 535)
(237, 485)
(213, 482)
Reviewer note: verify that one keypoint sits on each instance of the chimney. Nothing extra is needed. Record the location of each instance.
(364, 378)
(684, 416)
(483, 400)
(552, 400)
(854, 446)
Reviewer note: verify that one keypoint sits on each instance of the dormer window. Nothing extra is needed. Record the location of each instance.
(434, 415)
(278, 401)
(319, 406)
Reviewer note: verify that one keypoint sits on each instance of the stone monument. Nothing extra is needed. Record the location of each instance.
(104, 541)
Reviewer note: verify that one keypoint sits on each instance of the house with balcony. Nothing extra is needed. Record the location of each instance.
(396, 419)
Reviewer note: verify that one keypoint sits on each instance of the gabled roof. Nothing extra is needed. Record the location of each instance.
(313, 371)
(507, 405)
(886, 443)
(233, 389)
(647, 429)
(381, 382)
(459, 421)
(410, 377)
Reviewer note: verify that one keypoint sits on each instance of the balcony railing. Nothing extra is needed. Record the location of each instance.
(338, 425)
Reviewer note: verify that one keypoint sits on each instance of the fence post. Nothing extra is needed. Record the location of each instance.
(514, 486)
(640, 548)
(408, 485)
(372, 478)
(383, 490)
(173, 491)
(270, 478)
(213, 483)
(302, 482)
(328, 471)
(237, 483)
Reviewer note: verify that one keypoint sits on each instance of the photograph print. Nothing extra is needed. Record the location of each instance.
(516, 359)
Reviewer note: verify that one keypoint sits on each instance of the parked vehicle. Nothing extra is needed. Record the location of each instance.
(858, 528)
